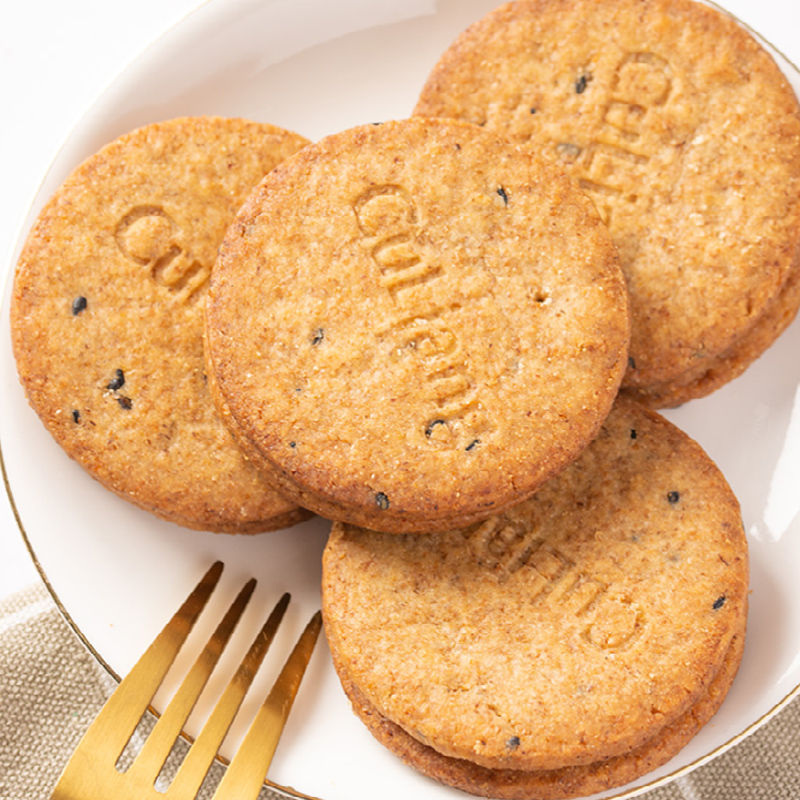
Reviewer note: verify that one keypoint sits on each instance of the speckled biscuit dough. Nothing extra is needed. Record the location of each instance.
(720, 370)
(557, 784)
(685, 133)
(571, 629)
(415, 324)
(107, 319)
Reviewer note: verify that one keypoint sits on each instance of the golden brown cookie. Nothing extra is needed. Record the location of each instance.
(561, 783)
(107, 318)
(716, 372)
(415, 324)
(690, 151)
(568, 630)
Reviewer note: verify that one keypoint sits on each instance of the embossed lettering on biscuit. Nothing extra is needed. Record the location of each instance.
(389, 221)
(606, 618)
(149, 236)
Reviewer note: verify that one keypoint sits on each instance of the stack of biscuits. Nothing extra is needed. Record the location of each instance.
(447, 334)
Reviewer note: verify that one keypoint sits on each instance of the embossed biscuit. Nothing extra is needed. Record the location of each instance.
(415, 324)
(691, 153)
(570, 629)
(556, 784)
(107, 318)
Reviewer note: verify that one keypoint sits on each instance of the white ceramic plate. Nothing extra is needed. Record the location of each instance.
(318, 66)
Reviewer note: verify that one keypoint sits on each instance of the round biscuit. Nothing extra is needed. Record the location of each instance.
(415, 324)
(690, 151)
(558, 784)
(565, 631)
(107, 319)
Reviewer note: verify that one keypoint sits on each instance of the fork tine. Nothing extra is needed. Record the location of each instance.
(201, 754)
(159, 743)
(246, 773)
(123, 711)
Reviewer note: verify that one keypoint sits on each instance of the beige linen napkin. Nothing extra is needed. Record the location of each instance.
(51, 687)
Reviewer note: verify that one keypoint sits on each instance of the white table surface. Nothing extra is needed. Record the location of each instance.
(56, 56)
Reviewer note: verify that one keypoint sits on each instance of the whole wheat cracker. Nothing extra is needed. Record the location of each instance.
(558, 784)
(106, 317)
(414, 324)
(568, 630)
(691, 152)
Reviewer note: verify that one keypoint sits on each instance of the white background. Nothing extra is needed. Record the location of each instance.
(56, 56)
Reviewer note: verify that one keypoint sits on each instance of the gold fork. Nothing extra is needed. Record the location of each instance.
(93, 774)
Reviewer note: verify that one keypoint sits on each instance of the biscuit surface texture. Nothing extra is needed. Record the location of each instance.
(107, 318)
(556, 784)
(723, 368)
(690, 151)
(570, 629)
(415, 323)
